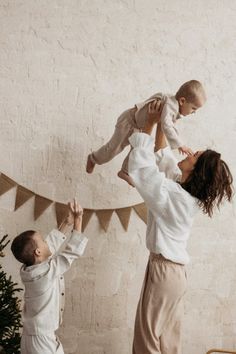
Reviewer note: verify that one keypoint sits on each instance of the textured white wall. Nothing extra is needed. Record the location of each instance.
(68, 68)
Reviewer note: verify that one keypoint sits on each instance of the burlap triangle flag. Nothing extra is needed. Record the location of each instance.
(40, 205)
(6, 184)
(61, 212)
(86, 218)
(104, 217)
(124, 216)
(22, 195)
(141, 210)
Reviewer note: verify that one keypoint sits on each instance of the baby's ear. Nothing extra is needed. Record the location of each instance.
(37, 252)
(182, 100)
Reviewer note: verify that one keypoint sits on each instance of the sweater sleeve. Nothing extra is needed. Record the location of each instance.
(55, 239)
(168, 163)
(62, 261)
(143, 169)
(169, 128)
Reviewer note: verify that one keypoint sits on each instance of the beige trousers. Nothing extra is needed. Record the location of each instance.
(159, 312)
(125, 126)
(129, 121)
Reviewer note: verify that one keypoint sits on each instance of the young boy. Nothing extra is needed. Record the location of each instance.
(42, 275)
(190, 97)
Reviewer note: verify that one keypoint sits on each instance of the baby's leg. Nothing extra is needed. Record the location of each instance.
(123, 173)
(115, 145)
(90, 164)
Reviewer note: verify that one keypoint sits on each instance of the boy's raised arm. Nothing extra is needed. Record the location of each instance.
(56, 238)
(77, 212)
(75, 246)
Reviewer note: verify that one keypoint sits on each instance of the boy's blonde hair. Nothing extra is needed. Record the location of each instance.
(191, 90)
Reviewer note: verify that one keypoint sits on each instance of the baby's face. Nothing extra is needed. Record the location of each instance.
(186, 108)
(42, 246)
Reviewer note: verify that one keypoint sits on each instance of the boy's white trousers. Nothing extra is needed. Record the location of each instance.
(41, 344)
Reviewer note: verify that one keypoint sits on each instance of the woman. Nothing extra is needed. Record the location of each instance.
(173, 193)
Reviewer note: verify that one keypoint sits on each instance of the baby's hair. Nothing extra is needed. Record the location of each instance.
(23, 247)
(191, 90)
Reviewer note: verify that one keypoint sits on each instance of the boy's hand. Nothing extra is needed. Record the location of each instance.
(70, 216)
(74, 217)
(77, 211)
(185, 150)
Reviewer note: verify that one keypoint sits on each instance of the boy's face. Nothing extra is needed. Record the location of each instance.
(186, 108)
(42, 251)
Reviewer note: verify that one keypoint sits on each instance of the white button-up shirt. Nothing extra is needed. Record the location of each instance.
(44, 284)
(171, 209)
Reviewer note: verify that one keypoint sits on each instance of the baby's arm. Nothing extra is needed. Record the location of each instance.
(171, 132)
(185, 150)
(169, 128)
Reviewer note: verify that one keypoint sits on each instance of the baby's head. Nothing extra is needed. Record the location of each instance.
(30, 248)
(191, 96)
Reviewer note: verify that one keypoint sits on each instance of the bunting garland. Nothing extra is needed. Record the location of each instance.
(124, 216)
(86, 218)
(22, 196)
(42, 203)
(61, 212)
(104, 217)
(141, 210)
(6, 184)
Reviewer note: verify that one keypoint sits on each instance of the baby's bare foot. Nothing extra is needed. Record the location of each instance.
(126, 178)
(90, 165)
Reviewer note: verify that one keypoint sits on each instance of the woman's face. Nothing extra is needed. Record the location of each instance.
(187, 164)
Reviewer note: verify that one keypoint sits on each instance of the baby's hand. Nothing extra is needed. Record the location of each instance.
(185, 150)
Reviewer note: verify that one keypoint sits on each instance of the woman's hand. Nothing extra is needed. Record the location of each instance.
(154, 115)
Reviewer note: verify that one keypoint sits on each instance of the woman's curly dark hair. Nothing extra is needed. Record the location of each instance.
(210, 181)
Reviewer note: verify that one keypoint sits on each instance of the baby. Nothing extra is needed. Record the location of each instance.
(190, 97)
(42, 275)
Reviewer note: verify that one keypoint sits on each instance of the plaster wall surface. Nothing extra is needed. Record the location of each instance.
(67, 70)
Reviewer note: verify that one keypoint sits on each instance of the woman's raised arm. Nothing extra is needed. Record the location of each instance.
(153, 118)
